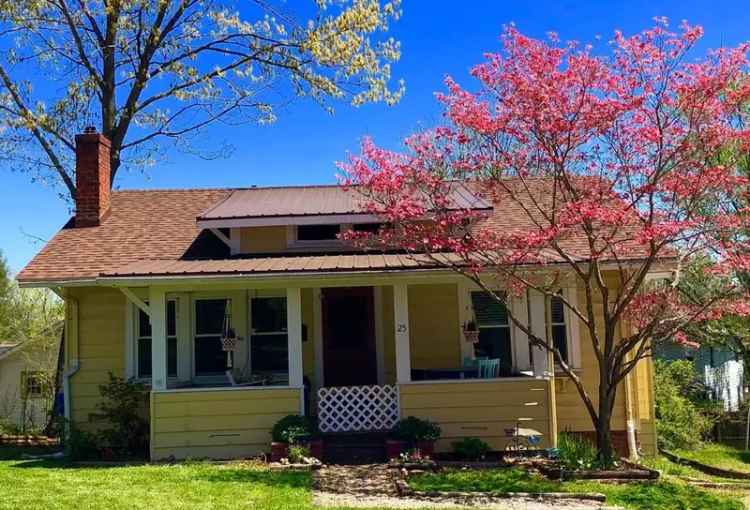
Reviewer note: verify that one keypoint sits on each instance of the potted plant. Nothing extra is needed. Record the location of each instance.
(418, 433)
(471, 332)
(290, 429)
(394, 447)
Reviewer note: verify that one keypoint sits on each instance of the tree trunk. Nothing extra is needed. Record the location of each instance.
(605, 450)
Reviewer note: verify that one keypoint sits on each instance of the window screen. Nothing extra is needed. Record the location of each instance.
(268, 343)
(494, 330)
(558, 326)
(210, 314)
(143, 342)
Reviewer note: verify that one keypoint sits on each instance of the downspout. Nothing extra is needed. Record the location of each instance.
(73, 364)
(630, 419)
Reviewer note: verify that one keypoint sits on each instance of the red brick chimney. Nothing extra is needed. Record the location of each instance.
(92, 177)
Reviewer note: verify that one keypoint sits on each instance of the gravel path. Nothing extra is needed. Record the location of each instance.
(372, 486)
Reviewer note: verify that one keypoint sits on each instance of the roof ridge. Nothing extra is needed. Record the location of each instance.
(229, 188)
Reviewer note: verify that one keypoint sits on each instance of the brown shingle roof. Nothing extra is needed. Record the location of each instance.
(312, 201)
(140, 225)
(155, 232)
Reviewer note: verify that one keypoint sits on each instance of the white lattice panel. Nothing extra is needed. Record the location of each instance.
(357, 408)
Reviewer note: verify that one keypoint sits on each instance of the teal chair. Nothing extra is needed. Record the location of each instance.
(488, 368)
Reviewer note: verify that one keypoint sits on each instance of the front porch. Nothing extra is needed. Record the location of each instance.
(358, 356)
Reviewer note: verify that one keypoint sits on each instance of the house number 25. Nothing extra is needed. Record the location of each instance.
(401, 328)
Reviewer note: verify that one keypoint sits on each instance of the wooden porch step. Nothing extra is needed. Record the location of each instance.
(348, 449)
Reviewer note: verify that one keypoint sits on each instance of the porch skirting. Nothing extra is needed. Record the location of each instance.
(219, 424)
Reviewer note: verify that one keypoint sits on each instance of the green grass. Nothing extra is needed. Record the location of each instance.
(666, 494)
(720, 456)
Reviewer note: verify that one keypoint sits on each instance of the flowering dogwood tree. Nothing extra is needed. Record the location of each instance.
(604, 168)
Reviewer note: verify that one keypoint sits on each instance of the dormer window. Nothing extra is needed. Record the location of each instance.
(316, 233)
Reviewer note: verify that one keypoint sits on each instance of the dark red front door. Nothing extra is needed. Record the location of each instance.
(349, 357)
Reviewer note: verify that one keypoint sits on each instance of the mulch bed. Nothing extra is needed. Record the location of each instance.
(28, 440)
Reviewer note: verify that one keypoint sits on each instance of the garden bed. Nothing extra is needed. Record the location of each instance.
(28, 440)
(625, 471)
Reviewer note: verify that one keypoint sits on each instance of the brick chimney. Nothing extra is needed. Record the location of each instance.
(92, 178)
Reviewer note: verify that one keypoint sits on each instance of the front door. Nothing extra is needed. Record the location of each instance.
(349, 357)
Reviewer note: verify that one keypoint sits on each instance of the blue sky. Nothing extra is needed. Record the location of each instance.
(438, 38)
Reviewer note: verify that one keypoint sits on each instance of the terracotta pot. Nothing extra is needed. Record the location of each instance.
(427, 448)
(393, 448)
(279, 451)
(316, 448)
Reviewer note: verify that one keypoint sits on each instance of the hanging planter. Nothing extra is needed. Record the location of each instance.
(229, 341)
(471, 333)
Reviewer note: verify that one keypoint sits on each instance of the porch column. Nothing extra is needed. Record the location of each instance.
(401, 324)
(157, 303)
(538, 316)
(294, 335)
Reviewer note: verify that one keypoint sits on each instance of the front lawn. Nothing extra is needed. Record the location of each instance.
(721, 456)
(665, 494)
(55, 484)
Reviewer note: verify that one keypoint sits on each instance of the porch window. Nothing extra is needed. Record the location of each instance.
(268, 344)
(494, 330)
(210, 315)
(143, 342)
(558, 326)
(318, 232)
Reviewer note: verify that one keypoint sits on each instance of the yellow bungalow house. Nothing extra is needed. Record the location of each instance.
(154, 280)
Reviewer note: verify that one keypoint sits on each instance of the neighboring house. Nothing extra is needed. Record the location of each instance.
(153, 280)
(718, 368)
(26, 370)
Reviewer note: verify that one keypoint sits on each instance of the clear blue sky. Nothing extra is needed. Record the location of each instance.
(438, 38)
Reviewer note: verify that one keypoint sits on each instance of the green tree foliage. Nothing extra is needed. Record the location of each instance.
(148, 72)
(682, 417)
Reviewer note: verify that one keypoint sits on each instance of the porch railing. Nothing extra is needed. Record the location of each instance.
(357, 408)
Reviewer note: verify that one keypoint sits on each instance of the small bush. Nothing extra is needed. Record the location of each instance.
(682, 418)
(123, 410)
(471, 448)
(81, 445)
(413, 429)
(293, 428)
(576, 452)
(298, 453)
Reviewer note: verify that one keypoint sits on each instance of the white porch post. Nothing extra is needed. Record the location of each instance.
(538, 316)
(401, 323)
(294, 335)
(157, 303)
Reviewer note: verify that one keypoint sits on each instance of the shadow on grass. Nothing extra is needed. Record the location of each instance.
(291, 479)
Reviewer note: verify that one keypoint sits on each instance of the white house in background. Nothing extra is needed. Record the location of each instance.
(25, 395)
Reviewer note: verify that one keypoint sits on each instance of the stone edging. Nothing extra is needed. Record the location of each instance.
(710, 470)
(401, 477)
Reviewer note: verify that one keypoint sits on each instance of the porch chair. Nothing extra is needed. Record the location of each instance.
(488, 368)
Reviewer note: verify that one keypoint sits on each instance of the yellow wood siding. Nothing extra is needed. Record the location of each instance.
(262, 239)
(433, 326)
(217, 424)
(481, 409)
(101, 349)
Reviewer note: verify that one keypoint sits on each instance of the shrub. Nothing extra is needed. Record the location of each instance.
(123, 410)
(471, 448)
(293, 428)
(413, 429)
(681, 409)
(81, 445)
(298, 453)
(576, 452)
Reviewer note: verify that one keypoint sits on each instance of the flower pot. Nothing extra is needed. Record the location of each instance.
(279, 451)
(471, 336)
(426, 448)
(316, 448)
(393, 448)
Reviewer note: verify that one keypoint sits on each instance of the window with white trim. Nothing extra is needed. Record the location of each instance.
(494, 330)
(316, 233)
(143, 342)
(269, 350)
(559, 326)
(212, 318)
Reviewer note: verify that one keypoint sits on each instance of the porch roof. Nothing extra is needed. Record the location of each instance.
(283, 265)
